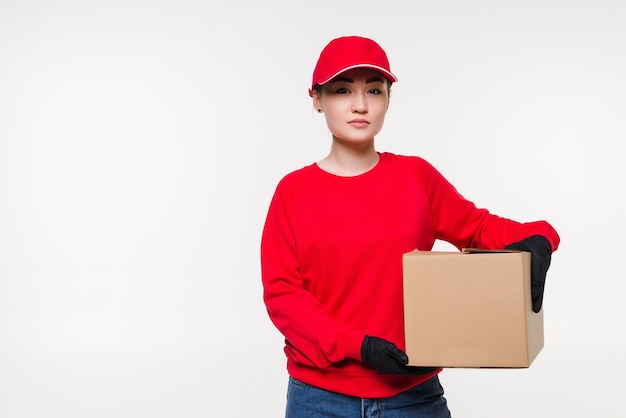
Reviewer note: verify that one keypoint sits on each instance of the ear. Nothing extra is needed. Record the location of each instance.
(317, 101)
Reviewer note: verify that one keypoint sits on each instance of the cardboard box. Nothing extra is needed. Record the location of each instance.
(470, 309)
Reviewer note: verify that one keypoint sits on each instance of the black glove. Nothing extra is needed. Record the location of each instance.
(386, 358)
(541, 252)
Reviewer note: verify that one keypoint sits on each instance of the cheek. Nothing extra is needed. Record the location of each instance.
(381, 110)
(379, 120)
(332, 113)
(331, 121)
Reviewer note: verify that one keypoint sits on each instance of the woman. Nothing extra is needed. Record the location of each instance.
(331, 250)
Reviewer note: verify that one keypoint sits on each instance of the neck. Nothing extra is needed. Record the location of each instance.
(350, 160)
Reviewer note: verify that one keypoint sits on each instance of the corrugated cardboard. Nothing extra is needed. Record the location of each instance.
(470, 309)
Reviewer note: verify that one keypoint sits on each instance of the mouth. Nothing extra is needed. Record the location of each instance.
(359, 123)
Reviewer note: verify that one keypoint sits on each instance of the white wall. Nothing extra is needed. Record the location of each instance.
(140, 143)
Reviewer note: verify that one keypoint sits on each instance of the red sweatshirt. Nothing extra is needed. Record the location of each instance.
(331, 259)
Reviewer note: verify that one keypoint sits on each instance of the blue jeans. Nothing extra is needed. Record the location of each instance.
(423, 401)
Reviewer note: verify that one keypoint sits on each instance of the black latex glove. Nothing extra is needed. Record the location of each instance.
(386, 358)
(541, 252)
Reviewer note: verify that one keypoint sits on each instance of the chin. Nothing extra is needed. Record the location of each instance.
(353, 140)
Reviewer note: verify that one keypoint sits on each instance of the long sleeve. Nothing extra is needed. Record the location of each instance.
(461, 223)
(313, 337)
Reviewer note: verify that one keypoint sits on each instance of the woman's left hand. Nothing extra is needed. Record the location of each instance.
(541, 252)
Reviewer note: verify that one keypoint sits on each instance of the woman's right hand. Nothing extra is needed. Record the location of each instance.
(386, 358)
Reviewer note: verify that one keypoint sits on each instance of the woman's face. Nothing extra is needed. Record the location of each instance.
(355, 104)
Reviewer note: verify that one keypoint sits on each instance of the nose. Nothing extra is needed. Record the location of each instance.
(359, 103)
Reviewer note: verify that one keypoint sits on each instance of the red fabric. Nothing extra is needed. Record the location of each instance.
(342, 54)
(331, 258)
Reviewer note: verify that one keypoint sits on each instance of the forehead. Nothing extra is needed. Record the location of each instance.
(359, 74)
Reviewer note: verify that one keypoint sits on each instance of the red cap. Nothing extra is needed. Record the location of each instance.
(346, 53)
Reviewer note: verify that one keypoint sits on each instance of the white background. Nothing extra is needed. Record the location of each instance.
(140, 143)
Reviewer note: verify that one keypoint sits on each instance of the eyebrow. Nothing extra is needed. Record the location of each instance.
(349, 80)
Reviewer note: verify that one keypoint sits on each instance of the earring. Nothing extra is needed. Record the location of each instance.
(319, 110)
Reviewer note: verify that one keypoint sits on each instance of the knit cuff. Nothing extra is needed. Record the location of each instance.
(351, 343)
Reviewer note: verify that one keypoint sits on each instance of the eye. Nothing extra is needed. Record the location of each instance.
(341, 90)
(374, 91)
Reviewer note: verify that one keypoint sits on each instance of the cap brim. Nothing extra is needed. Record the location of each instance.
(386, 73)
